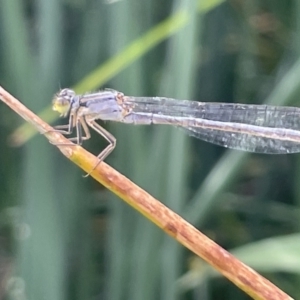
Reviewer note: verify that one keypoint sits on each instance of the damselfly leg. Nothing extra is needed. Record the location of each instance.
(79, 138)
(108, 136)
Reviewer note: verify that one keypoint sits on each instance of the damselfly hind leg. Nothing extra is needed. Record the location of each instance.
(108, 136)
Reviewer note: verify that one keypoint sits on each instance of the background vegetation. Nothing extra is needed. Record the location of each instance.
(65, 237)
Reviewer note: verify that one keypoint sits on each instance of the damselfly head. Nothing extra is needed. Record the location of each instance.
(62, 101)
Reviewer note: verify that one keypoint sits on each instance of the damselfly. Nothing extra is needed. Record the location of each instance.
(255, 128)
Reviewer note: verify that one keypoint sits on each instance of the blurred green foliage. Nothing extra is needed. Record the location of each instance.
(65, 237)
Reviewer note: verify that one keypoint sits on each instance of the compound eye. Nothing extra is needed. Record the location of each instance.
(62, 101)
(66, 93)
